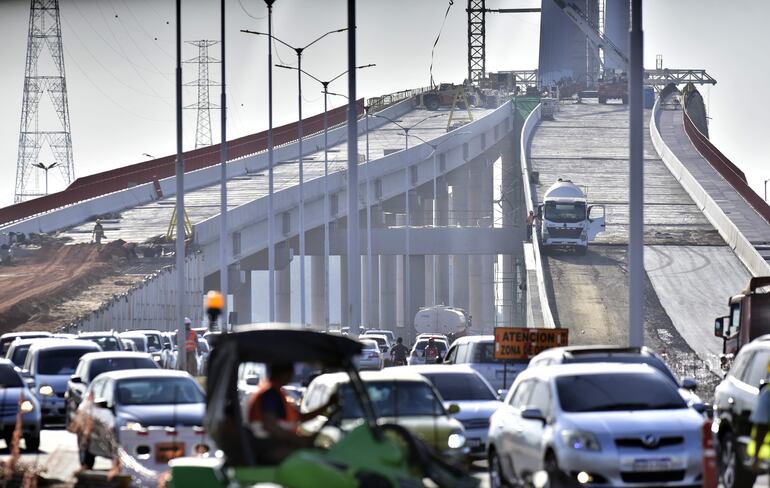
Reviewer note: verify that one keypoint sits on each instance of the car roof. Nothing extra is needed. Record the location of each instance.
(24, 342)
(145, 373)
(145, 331)
(131, 334)
(114, 354)
(598, 349)
(98, 334)
(438, 368)
(474, 338)
(45, 344)
(7, 362)
(583, 369)
(388, 374)
(41, 333)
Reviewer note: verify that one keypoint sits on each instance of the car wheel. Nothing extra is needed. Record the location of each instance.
(496, 475)
(556, 478)
(32, 442)
(732, 473)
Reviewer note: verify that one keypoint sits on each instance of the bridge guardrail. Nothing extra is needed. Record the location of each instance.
(529, 196)
(741, 246)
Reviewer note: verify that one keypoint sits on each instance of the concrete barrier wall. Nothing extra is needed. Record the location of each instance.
(81, 212)
(545, 318)
(150, 304)
(741, 246)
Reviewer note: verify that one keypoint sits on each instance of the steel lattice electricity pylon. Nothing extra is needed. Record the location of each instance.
(44, 30)
(203, 127)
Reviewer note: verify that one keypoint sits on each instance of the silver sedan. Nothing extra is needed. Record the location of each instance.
(595, 424)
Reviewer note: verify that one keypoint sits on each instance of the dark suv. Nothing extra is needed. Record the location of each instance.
(734, 400)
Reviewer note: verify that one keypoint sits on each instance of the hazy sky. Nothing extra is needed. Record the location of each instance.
(120, 66)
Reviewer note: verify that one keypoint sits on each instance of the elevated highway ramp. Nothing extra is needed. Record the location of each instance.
(690, 270)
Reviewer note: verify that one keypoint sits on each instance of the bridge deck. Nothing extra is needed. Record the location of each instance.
(588, 143)
(749, 222)
(146, 221)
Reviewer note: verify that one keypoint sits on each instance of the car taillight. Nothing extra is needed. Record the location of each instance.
(199, 430)
(170, 431)
(373, 355)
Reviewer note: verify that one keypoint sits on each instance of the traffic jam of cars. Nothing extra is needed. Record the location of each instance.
(298, 407)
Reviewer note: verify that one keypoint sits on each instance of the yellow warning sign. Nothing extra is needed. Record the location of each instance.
(524, 343)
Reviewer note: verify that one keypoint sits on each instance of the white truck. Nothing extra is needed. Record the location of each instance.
(442, 319)
(566, 219)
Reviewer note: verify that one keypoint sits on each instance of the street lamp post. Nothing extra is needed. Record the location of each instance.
(223, 275)
(326, 92)
(299, 51)
(46, 169)
(407, 185)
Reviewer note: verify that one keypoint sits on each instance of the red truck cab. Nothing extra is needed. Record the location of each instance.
(749, 318)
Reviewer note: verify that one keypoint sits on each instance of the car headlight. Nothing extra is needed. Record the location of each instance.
(582, 441)
(27, 406)
(134, 426)
(156, 358)
(46, 390)
(456, 440)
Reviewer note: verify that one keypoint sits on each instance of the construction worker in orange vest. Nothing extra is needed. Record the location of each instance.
(274, 421)
(191, 347)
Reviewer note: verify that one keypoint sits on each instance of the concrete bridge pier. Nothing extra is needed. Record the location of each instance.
(441, 270)
(481, 267)
(240, 284)
(387, 300)
(344, 302)
(458, 208)
(317, 292)
(283, 294)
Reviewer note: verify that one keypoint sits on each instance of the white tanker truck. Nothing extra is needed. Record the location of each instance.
(566, 219)
(442, 319)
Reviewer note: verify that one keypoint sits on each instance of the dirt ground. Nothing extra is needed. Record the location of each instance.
(42, 291)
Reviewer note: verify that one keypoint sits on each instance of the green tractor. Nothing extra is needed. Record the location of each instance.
(371, 455)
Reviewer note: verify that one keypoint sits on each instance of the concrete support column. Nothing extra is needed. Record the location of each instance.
(388, 292)
(430, 279)
(486, 196)
(283, 294)
(372, 317)
(458, 208)
(417, 279)
(344, 302)
(513, 210)
(242, 296)
(317, 288)
(475, 218)
(400, 291)
(441, 269)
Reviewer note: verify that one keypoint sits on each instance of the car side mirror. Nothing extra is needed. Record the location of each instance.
(502, 393)
(76, 379)
(252, 380)
(719, 327)
(24, 373)
(533, 414)
(103, 404)
(453, 409)
(689, 384)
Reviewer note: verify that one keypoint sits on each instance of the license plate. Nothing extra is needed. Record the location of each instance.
(166, 451)
(666, 463)
(473, 442)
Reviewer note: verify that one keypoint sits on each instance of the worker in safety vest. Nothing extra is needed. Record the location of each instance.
(191, 347)
(760, 419)
(275, 421)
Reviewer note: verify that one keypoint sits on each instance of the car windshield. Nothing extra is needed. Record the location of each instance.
(59, 361)
(20, 354)
(607, 391)
(461, 387)
(138, 342)
(9, 378)
(381, 341)
(153, 343)
(157, 391)
(106, 342)
(393, 399)
(624, 358)
(565, 213)
(423, 343)
(370, 344)
(99, 366)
